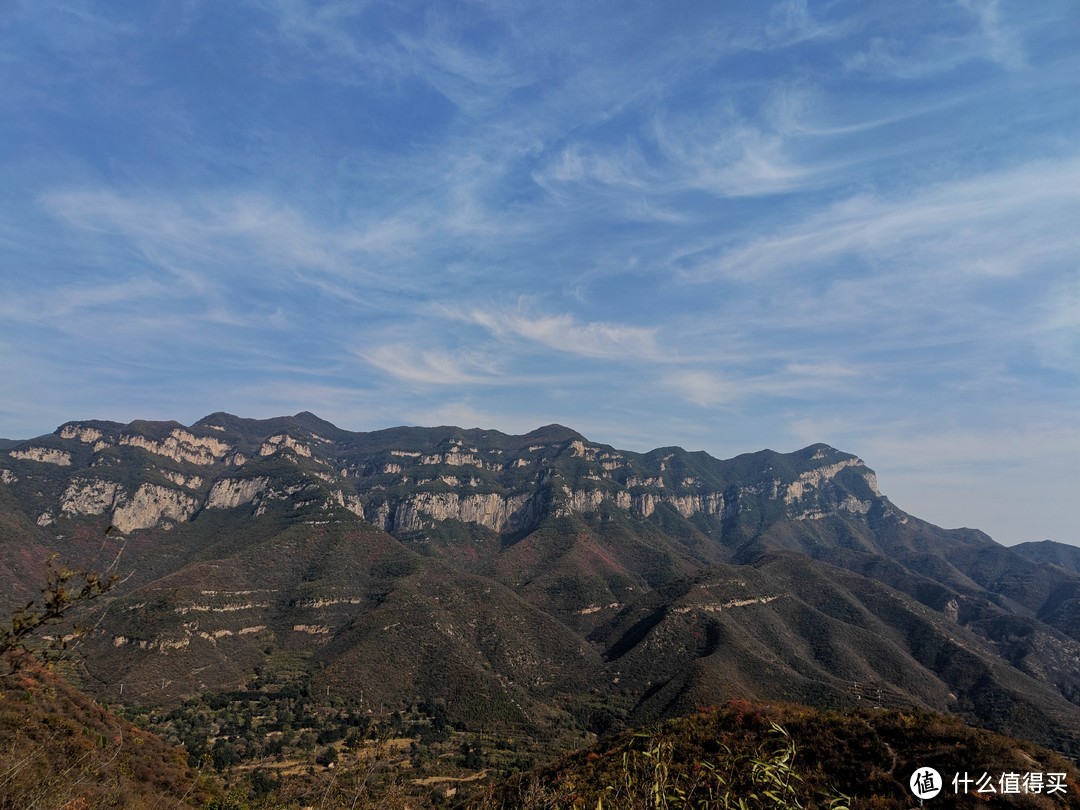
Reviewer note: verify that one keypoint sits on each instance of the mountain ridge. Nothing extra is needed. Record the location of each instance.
(220, 420)
(1049, 551)
(449, 563)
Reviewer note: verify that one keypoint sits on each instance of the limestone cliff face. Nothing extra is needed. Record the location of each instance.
(811, 499)
(150, 505)
(496, 512)
(232, 492)
(582, 501)
(46, 455)
(454, 458)
(502, 485)
(520, 511)
(182, 446)
(283, 441)
(189, 481)
(643, 504)
(88, 496)
(812, 496)
(813, 479)
(709, 503)
(86, 435)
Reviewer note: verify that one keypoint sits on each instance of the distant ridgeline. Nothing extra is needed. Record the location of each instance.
(529, 583)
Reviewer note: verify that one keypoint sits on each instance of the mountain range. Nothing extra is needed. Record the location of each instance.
(532, 583)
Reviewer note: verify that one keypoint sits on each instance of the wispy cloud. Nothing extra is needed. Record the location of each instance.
(733, 158)
(1001, 43)
(791, 22)
(987, 38)
(779, 139)
(323, 36)
(782, 24)
(707, 388)
(1002, 223)
(62, 302)
(566, 334)
(342, 41)
(208, 227)
(475, 81)
(577, 164)
(685, 226)
(431, 367)
(206, 242)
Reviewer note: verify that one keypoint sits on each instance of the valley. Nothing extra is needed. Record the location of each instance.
(454, 606)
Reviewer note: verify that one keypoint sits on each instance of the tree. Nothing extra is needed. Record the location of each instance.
(65, 588)
(262, 783)
(223, 754)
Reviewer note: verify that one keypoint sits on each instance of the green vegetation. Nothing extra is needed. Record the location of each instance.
(284, 749)
(277, 743)
(301, 656)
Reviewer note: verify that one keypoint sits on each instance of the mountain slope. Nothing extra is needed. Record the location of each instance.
(541, 580)
(780, 629)
(1047, 551)
(59, 749)
(868, 755)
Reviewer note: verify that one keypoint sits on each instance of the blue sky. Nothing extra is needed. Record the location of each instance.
(725, 226)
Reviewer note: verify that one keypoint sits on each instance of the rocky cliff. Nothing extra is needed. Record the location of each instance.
(501, 483)
(511, 571)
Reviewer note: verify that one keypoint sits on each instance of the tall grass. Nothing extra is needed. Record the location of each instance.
(651, 778)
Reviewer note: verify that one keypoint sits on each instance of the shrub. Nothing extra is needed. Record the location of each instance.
(327, 757)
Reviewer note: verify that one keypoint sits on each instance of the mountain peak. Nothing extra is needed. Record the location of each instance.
(826, 453)
(217, 419)
(307, 419)
(652, 567)
(553, 433)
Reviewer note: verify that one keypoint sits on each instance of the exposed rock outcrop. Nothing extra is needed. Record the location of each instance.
(454, 458)
(86, 435)
(46, 455)
(189, 481)
(510, 487)
(813, 479)
(496, 512)
(232, 492)
(276, 443)
(151, 504)
(182, 446)
(88, 496)
(709, 503)
(643, 503)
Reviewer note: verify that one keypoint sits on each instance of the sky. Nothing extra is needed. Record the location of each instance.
(723, 226)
